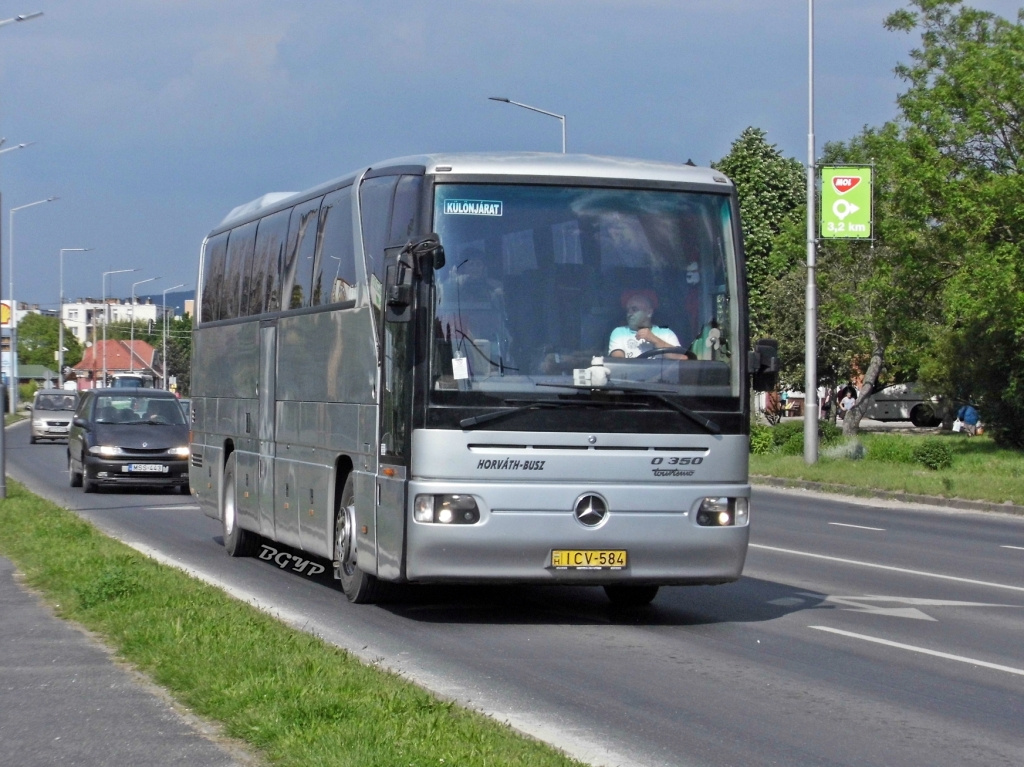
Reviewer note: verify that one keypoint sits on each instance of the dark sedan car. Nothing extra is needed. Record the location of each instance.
(128, 437)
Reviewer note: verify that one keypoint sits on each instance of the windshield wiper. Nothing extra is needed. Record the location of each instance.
(541, 404)
(658, 392)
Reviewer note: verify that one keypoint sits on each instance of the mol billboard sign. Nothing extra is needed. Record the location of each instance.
(846, 211)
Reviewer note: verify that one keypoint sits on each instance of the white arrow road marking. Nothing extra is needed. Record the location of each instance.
(922, 650)
(886, 567)
(856, 604)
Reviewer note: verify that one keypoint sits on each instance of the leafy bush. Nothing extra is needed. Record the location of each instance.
(788, 438)
(933, 453)
(828, 433)
(761, 441)
(784, 432)
(890, 448)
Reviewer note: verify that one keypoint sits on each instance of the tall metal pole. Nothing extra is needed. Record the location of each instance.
(60, 315)
(163, 361)
(106, 318)
(811, 319)
(534, 109)
(131, 348)
(3, 446)
(14, 304)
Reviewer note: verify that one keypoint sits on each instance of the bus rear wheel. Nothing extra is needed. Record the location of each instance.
(359, 587)
(630, 596)
(924, 415)
(237, 542)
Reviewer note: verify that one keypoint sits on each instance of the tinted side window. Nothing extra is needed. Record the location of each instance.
(334, 272)
(297, 272)
(375, 197)
(405, 218)
(265, 282)
(214, 258)
(236, 276)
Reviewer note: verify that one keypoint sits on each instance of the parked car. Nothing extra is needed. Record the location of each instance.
(905, 402)
(128, 437)
(52, 411)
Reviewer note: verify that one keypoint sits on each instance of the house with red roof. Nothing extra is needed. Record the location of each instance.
(117, 357)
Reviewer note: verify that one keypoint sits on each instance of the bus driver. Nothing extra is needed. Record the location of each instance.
(639, 335)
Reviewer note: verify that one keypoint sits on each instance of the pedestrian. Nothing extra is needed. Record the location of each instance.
(970, 419)
(847, 402)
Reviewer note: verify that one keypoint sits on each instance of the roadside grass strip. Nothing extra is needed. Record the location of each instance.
(980, 470)
(296, 699)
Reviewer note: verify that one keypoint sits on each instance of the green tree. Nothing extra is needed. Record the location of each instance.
(770, 188)
(963, 119)
(38, 336)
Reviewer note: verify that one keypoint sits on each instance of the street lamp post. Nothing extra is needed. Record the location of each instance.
(3, 447)
(22, 17)
(811, 290)
(14, 304)
(106, 317)
(131, 347)
(164, 358)
(60, 314)
(534, 109)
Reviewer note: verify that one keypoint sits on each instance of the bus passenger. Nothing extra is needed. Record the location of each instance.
(639, 334)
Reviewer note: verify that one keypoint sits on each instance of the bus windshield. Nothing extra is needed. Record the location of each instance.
(552, 286)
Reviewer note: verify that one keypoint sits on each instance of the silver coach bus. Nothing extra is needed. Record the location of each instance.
(482, 368)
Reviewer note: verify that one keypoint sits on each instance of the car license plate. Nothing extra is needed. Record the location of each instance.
(588, 559)
(148, 468)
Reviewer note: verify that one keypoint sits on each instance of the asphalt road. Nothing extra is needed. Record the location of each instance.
(862, 633)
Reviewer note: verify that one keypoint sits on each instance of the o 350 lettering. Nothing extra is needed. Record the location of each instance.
(676, 461)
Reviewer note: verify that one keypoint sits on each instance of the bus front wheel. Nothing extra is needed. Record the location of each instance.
(359, 587)
(630, 596)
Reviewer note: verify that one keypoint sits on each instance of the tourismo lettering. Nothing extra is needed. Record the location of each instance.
(472, 208)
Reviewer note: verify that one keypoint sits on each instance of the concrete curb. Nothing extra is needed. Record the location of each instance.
(890, 495)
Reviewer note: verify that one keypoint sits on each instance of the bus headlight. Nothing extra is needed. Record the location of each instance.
(446, 509)
(723, 512)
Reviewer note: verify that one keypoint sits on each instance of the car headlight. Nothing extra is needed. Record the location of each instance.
(179, 452)
(107, 451)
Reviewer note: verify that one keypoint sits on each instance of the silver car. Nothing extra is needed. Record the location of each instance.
(52, 410)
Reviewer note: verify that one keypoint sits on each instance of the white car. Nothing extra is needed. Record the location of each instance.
(904, 402)
(52, 410)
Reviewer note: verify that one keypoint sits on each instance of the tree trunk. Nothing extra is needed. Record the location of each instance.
(851, 423)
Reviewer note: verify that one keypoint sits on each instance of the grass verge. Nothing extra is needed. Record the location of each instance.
(979, 470)
(294, 698)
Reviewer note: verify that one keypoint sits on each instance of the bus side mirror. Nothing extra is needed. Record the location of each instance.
(764, 364)
(398, 287)
(428, 252)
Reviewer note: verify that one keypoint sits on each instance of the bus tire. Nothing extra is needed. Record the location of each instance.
(923, 415)
(360, 587)
(237, 541)
(622, 595)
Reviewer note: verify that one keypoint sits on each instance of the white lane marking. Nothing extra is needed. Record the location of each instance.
(858, 527)
(887, 567)
(922, 650)
(1015, 548)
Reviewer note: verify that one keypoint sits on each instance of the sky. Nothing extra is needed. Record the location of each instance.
(151, 119)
